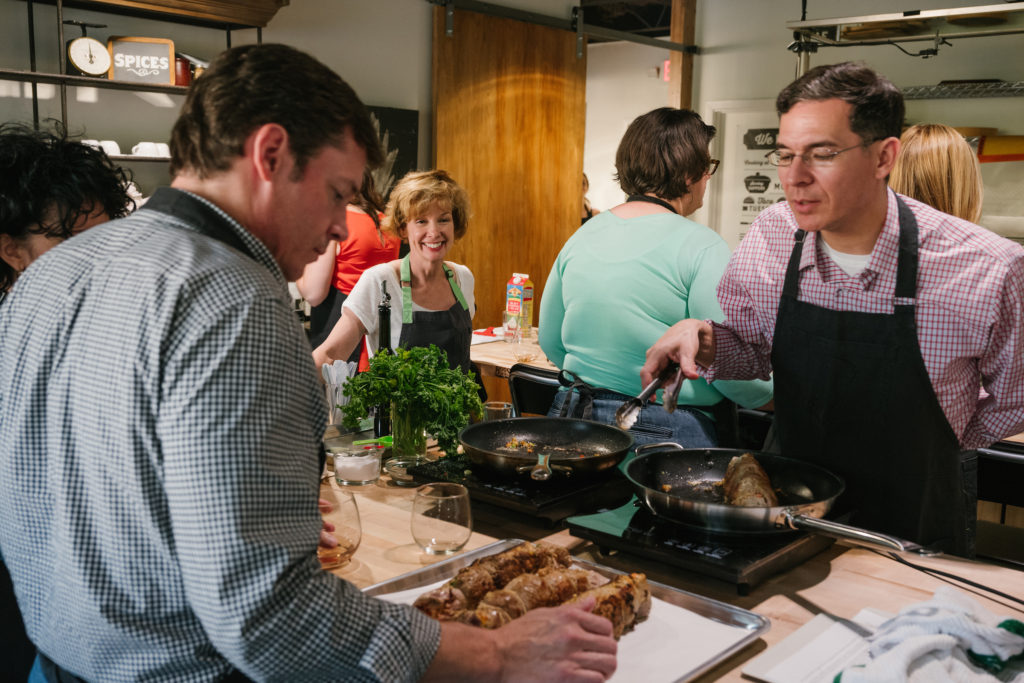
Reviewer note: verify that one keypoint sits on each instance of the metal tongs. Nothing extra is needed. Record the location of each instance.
(628, 412)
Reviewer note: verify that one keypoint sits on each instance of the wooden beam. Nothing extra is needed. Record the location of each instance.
(680, 65)
(247, 12)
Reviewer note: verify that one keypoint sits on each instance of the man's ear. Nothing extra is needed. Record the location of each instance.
(13, 253)
(889, 149)
(271, 152)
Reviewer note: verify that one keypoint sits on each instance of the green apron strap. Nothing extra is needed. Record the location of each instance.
(456, 290)
(407, 290)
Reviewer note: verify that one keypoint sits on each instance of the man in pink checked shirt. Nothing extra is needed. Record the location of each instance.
(893, 331)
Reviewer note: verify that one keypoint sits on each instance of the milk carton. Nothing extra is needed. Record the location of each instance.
(518, 303)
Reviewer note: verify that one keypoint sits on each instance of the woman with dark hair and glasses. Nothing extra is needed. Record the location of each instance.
(626, 276)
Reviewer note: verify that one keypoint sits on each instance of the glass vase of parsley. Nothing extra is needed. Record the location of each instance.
(426, 397)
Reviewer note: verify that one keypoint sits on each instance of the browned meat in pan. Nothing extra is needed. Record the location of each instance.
(746, 483)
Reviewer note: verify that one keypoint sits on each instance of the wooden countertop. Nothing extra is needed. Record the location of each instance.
(840, 581)
(497, 357)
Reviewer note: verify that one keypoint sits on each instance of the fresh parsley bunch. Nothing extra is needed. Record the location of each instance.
(418, 382)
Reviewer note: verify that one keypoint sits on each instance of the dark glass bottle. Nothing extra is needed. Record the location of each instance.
(382, 412)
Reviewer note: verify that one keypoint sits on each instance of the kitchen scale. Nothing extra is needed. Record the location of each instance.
(744, 560)
(552, 500)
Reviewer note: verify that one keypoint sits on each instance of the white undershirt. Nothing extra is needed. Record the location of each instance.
(851, 264)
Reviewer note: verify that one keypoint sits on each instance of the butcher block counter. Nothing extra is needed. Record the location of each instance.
(840, 581)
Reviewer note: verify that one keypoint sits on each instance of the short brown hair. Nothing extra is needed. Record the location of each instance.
(417, 192)
(252, 85)
(662, 152)
(877, 105)
(937, 166)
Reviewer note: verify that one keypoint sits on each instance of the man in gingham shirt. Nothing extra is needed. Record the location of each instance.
(893, 331)
(160, 423)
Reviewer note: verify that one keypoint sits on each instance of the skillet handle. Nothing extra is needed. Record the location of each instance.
(870, 539)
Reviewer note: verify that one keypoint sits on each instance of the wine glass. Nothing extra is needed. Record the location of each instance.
(441, 518)
(347, 530)
(523, 349)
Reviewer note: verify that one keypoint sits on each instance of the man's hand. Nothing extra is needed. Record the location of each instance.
(565, 643)
(327, 540)
(689, 342)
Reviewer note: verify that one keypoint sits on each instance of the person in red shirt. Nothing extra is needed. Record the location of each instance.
(327, 282)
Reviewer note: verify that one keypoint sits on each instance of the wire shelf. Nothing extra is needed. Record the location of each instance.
(965, 89)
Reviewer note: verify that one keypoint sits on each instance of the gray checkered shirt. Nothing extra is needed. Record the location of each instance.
(159, 424)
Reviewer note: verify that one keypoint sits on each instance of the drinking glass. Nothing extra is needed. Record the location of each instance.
(497, 410)
(523, 348)
(441, 518)
(347, 530)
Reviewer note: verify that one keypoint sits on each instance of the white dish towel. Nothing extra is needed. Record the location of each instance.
(930, 642)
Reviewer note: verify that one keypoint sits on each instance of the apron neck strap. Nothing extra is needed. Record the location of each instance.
(651, 200)
(407, 289)
(906, 268)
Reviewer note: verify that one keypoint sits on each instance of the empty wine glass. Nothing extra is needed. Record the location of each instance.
(347, 529)
(523, 348)
(441, 518)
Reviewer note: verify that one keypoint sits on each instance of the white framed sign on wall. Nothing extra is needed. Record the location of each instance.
(746, 183)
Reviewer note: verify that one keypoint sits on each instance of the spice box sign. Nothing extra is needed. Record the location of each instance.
(146, 60)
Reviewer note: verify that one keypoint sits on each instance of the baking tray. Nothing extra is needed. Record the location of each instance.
(744, 626)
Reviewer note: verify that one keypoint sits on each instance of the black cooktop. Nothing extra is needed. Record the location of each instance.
(744, 560)
(552, 500)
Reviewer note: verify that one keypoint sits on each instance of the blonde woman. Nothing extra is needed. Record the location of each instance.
(936, 166)
(431, 299)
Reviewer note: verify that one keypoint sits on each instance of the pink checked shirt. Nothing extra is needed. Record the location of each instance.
(970, 309)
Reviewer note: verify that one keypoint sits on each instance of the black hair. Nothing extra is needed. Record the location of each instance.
(49, 181)
(877, 105)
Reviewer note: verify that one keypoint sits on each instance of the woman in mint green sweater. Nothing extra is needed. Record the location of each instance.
(633, 271)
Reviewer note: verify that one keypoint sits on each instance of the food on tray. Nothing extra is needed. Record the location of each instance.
(625, 601)
(546, 588)
(746, 483)
(490, 573)
(495, 590)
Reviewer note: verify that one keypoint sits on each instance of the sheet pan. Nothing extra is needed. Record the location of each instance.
(685, 636)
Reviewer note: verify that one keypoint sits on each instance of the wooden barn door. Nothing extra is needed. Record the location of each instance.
(509, 125)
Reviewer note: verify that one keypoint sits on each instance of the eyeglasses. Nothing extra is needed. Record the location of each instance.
(712, 167)
(817, 158)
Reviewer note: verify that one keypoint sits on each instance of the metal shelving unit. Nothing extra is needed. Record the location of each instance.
(964, 89)
(63, 79)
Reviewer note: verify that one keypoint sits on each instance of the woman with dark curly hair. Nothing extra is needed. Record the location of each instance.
(51, 187)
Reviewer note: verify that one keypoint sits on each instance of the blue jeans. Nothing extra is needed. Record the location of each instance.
(687, 426)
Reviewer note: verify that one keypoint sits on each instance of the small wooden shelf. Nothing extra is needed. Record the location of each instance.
(85, 81)
(137, 157)
(226, 15)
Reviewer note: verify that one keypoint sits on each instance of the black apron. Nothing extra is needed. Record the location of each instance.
(450, 330)
(852, 394)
